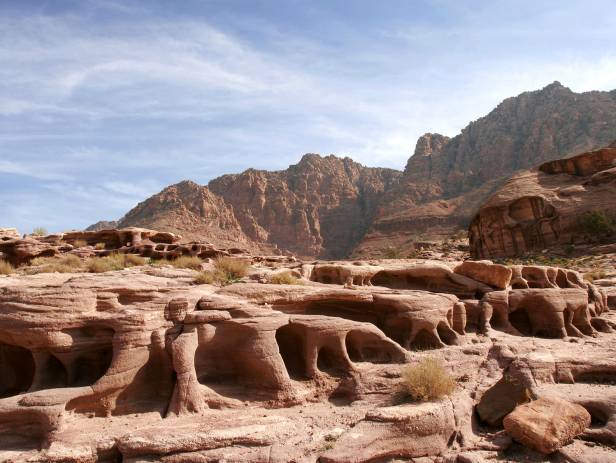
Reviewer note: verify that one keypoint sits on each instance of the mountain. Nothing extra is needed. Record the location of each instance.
(321, 206)
(333, 207)
(446, 180)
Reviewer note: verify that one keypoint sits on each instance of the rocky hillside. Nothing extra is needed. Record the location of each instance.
(321, 206)
(446, 180)
(333, 207)
(568, 202)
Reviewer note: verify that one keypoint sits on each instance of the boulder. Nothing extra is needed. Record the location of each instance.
(486, 272)
(547, 424)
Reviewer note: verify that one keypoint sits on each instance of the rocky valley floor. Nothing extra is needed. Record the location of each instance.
(300, 361)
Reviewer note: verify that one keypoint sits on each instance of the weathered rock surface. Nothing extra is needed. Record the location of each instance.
(546, 207)
(547, 424)
(144, 365)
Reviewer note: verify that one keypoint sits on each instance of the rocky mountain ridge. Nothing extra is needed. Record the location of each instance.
(332, 207)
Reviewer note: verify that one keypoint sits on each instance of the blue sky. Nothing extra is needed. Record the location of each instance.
(105, 102)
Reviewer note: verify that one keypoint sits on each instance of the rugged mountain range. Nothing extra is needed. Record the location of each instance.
(332, 207)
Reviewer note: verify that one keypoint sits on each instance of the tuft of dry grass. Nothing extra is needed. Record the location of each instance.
(116, 261)
(99, 246)
(39, 231)
(134, 260)
(207, 278)
(428, 380)
(191, 262)
(594, 275)
(6, 268)
(284, 278)
(80, 243)
(65, 264)
(227, 270)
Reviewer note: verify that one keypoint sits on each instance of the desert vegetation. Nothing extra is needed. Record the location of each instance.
(113, 262)
(65, 264)
(227, 270)
(39, 231)
(597, 224)
(283, 278)
(6, 268)
(428, 380)
(191, 262)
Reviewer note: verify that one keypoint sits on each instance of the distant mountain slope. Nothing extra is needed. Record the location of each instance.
(331, 207)
(446, 180)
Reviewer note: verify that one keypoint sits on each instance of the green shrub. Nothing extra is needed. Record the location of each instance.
(187, 262)
(429, 380)
(597, 224)
(284, 278)
(39, 231)
(6, 268)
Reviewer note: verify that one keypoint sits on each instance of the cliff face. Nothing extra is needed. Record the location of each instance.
(447, 180)
(563, 202)
(321, 206)
(318, 207)
(192, 211)
(331, 207)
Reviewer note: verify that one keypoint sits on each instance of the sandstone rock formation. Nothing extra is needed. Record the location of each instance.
(130, 240)
(143, 364)
(547, 424)
(547, 207)
(330, 207)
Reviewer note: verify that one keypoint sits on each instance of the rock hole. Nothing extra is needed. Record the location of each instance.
(17, 370)
(291, 347)
(521, 321)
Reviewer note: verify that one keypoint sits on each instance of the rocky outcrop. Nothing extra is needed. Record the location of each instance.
(547, 424)
(319, 207)
(563, 202)
(446, 181)
(143, 364)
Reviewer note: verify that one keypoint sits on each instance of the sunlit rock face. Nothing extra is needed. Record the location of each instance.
(559, 203)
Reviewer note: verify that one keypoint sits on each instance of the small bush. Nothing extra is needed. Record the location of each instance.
(206, 278)
(283, 278)
(65, 264)
(80, 243)
(99, 246)
(597, 224)
(233, 269)
(107, 264)
(427, 381)
(133, 260)
(6, 268)
(39, 231)
(187, 262)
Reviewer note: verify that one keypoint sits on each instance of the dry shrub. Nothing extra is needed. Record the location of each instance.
(284, 278)
(65, 264)
(428, 380)
(106, 264)
(192, 262)
(99, 246)
(133, 260)
(232, 269)
(6, 268)
(80, 243)
(227, 270)
(39, 231)
(206, 278)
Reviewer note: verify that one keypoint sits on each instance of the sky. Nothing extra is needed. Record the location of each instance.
(105, 102)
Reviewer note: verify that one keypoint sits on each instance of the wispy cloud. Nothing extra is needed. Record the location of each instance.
(103, 102)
